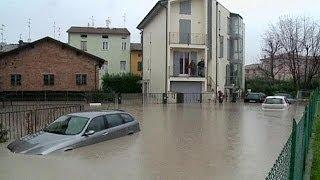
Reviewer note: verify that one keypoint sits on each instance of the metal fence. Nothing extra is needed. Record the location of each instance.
(24, 122)
(291, 162)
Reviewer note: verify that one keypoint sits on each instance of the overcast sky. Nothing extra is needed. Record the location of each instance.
(257, 14)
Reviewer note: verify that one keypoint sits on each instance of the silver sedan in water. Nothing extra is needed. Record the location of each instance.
(77, 130)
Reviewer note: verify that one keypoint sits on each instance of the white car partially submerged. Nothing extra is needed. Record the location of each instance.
(275, 103)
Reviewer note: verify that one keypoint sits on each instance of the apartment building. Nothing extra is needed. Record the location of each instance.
(192, 46)
(110, 44)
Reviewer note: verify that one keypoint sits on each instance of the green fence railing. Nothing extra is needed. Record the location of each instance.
(291, 162)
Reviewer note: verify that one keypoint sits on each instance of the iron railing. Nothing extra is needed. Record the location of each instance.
(187, 38)
(24, 122)
(290, 165)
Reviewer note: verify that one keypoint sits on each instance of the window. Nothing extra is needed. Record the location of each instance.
(221, 46)
(97, 124)
(114, 120)
(83, 45)
(229, 25)
(123, 65)
(185, 7)
(16, 79)
(229, 49)
(140, 66)
(105, 45)
(124, 46)
(81, 79)
(48, 79)
(126, 117)
(83, 35)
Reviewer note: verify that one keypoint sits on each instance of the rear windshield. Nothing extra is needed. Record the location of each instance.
(274, 101)
(253, 96)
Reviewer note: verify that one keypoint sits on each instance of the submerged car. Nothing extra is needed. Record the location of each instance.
(77, 130)
(255, 98)
(289, 97)
(275, 103)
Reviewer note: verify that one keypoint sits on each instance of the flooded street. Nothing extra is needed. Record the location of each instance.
(200, 141)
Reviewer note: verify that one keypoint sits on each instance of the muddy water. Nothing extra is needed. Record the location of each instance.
(233, 141)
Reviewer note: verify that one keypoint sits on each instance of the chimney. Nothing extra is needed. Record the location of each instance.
(21, 43)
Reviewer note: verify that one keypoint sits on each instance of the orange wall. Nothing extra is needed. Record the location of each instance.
(134, 62)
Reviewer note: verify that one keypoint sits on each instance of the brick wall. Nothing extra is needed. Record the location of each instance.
(48, 57)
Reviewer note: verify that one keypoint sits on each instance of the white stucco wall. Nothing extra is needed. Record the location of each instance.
(197, 17)
(154, 53)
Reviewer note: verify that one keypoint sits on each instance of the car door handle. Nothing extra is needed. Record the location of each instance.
(106, 133)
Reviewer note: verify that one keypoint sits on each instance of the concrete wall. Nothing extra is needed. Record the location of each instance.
(197, 17)
(222, 31)
(48, 58)
(215, 60)
(154, 53)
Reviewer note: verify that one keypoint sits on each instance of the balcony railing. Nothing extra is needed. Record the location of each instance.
(194, 72)
(187, 38)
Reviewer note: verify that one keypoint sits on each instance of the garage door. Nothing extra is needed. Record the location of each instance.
(191, 91)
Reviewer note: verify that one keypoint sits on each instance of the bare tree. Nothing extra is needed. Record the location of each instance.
(269, 66)
(298, 42)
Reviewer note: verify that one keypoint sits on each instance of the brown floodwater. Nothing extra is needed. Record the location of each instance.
(179, 142)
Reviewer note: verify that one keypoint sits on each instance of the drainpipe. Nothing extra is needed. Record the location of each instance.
(95, 76)
(217, 14)
(166, 68)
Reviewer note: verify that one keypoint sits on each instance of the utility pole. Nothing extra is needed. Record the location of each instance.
(29, 30)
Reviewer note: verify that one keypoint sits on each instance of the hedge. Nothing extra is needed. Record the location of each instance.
(122, 83)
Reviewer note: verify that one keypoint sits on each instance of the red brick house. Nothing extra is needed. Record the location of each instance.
(48, 65)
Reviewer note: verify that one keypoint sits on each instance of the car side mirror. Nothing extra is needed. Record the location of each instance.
(89, 133)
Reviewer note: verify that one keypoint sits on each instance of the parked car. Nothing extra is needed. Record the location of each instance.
(77, 130)
(289, 97)
(275, 103)
(303, 95)
(255, 98)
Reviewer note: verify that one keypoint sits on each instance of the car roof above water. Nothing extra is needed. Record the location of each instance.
(275, 97)
(94, 114)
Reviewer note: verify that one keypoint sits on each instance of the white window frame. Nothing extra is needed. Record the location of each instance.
(123, 68)
(124, 46)
(84, 45)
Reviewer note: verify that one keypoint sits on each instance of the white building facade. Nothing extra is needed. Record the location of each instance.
(192, 46)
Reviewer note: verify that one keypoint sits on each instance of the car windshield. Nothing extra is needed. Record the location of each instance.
(67, 125)
(274, 101)
(253, 96)
(285, 95)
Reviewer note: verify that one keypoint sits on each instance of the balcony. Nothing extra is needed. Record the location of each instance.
(187, 38)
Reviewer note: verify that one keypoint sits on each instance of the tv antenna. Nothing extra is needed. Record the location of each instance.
(59, 33)
(92, 21)
(20, 37)
(124, 19)
(108, 22)
(29, 29)
(54, 30)
(2, 32)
